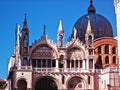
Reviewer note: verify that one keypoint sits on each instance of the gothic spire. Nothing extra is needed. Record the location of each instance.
(25, 25)
(60, 34)
(89, 30)
(25, 21)
(89, 37)
(25, 33)
(60, 29)
(44, 30)
(18, 34)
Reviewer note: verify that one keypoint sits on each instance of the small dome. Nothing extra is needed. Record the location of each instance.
(100, 26)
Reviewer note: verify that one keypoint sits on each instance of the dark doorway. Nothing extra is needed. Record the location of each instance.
(46, 84)
(22, 85)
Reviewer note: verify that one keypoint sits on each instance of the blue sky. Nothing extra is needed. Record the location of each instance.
(40, 12)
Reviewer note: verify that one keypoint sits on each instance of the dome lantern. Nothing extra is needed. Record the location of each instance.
(91, 8)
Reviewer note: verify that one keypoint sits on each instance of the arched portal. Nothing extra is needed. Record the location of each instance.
(22, 85)
(76, 83)
(46, 84)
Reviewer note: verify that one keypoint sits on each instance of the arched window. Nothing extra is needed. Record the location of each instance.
(49, 63)
(24, 62)
(114, 59)
(72, 63)
(100, 60)
(76, 63)
(81, 63)
(90, 63)
(107, 49)
(61, 62)
(68, 63)
(113, 50)
(99, 50)
(88, 79)
(90, 40)
(44, 63)
(90, 52)
(53, 63)
(38, 62)
(107, 60)
(34, 64)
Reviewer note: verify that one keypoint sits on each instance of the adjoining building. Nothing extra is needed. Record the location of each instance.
(88, 61)
(2, 84)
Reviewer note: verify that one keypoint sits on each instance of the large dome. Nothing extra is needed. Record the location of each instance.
(101, 27)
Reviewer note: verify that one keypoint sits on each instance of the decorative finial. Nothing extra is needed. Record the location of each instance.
(60, 29)
(89, 30)
(44, 30)
(91, 2)
(75, 32)
(91, 8)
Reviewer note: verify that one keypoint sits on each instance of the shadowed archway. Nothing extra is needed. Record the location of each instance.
(46, 83)
(22, 85)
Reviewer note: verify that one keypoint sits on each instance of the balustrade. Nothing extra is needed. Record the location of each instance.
(70, 70)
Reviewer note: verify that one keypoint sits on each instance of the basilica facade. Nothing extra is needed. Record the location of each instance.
(88, 61)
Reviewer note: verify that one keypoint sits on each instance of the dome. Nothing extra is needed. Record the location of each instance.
(100, 26)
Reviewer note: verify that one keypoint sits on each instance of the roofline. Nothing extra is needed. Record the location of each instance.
(104, 38)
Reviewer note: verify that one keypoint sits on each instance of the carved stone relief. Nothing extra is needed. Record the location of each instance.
(43, 53)
(76, 54)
